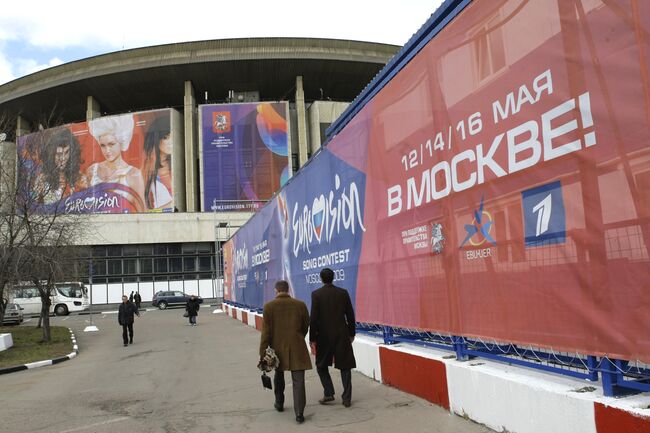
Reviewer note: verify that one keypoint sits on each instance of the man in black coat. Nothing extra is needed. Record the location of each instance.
(331, 334)
(192, 308)
(125, 317)
(137, 299)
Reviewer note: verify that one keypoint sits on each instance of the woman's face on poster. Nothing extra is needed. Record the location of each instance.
(165, 145)
(110, 147)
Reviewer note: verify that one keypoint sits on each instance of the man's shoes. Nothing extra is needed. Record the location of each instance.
(126, 344)
(300, 418)
(131, 341)
(347, 403)
(278, 407)
(326, 399)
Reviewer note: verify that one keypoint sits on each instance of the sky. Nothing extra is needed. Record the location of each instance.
(37, 34)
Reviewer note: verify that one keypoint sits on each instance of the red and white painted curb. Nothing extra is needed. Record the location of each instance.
(501, 396)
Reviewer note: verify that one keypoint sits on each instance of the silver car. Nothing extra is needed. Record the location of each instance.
(13, 314)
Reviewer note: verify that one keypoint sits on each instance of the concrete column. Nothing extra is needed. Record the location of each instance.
(93, 109)
(314, 126)
(22, 126)
(302, 122)
(191, 146)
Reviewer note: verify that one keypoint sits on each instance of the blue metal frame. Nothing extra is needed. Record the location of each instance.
(614, 372)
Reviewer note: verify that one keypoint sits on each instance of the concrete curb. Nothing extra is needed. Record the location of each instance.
(36, 364)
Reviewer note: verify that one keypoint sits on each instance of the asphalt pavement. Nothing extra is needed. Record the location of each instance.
(178, 378)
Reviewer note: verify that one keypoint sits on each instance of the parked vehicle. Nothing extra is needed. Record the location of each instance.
(13, 314)
(164, 299)
(71, 296)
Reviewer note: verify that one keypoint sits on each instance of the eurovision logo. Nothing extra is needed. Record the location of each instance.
(479, 231)
(330, 215)
(221, 122)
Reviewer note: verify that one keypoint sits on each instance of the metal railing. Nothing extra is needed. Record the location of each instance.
(618, 377)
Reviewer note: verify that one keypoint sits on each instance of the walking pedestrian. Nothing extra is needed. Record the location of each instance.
(331, 334)
(286, 321)
(192, 308)
(125, 317)
(131, 296)
(137, 299)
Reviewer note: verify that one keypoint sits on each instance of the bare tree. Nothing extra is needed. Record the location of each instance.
(37, 236)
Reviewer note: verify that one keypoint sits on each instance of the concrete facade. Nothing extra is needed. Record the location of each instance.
(163, 227)
(321, 114)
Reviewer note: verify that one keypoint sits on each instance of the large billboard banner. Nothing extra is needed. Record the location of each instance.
(112, 164)
(245, 150)
(504, 180)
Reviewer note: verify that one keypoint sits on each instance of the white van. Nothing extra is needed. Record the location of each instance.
(66, 298)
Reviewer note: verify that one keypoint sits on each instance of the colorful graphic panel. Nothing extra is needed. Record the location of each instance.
(245, 154)
(113, 164)
(507, 182)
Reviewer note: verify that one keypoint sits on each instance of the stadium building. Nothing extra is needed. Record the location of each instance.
(238, 117)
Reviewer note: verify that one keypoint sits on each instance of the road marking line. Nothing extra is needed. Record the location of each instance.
(65, 318)
(27, 320)
(110, 421)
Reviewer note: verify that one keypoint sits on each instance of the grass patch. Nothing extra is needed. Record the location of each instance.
(28, 346)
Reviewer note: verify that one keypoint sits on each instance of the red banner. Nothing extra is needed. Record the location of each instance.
(508, 180)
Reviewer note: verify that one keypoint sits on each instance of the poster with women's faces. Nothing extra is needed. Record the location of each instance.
(113, 164)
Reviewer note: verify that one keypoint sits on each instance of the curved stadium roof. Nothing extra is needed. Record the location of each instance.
(153, 77)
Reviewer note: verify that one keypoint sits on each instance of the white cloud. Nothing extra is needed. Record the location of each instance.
(6, 70)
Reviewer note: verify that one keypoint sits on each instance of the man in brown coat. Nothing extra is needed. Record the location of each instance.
(331, 334)
(286, 321)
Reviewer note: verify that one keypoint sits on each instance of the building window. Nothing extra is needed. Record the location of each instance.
(175, 264)
(189, 264)
(160, 265)
(130, 250)
(189, 247)
(132, 263)
(130, 266)
(114, 250)
(146, 266)
(114, 267)
(488, 49)
(205, 263)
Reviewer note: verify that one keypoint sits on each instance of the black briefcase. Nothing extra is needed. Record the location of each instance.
(266, 381)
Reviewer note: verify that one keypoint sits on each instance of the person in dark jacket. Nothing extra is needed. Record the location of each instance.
(137, 299)
(192, 308)
(125, 317)
(286, 321)
(331, 334)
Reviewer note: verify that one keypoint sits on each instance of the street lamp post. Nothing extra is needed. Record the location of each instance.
(91, 327)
